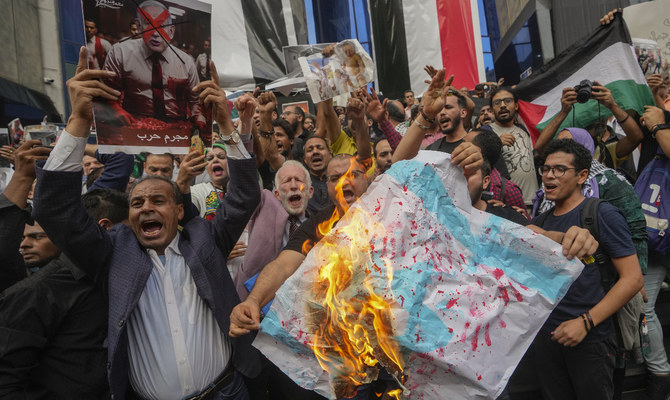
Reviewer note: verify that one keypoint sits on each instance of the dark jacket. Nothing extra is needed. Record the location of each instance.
(117, 260)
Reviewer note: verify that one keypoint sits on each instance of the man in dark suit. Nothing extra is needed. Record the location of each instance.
(170, 293)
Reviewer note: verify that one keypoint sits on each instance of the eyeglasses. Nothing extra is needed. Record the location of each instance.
(557, 170)
(34, 236)
(287, 112)
(356, 174)
(508, 101)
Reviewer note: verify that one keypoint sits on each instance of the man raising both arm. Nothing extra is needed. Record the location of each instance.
(165, 337)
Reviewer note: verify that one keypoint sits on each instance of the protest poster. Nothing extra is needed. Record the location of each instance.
(302, 104)
(15, 129)
(650, 21)
(461, 293)
(347, 69)
(159, 52)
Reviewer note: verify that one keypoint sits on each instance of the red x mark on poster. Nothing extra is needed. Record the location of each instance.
(156, 24)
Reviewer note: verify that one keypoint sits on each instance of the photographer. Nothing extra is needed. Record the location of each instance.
(622, 148)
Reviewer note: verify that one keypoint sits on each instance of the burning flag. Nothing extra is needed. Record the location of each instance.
(414, 280)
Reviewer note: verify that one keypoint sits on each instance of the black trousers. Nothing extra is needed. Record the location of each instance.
(583, 372)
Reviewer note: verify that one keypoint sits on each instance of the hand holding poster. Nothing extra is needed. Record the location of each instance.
(448, 298)
(341, 68)
(158, 111)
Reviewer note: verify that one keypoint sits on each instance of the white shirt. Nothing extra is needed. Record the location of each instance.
(175, 345)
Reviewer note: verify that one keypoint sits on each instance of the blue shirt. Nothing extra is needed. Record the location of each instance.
(587, 291)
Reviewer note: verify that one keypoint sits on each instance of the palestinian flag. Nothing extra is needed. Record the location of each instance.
(606, 56)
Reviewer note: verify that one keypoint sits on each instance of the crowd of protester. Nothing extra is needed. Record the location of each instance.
(152, 283)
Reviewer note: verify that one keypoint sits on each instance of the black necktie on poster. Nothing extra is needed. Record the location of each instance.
(293, 225)
(207, 74)
(157, 87)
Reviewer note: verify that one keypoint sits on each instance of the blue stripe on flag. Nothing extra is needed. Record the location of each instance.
(422, 180)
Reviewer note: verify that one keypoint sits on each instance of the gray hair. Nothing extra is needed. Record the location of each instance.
(176, 193)
(288, 163)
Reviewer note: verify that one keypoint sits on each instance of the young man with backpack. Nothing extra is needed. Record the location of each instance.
(575, 349)
(653, 188)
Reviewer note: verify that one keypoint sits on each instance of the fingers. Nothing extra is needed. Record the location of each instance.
(578, 242)
(244, 318)
(450, 80)
(83, 62)
(467, 156)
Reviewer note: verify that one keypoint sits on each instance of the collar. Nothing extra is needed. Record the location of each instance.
(173, 247)
(147, 53)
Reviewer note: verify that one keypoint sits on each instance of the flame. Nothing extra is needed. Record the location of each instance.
(353, 329)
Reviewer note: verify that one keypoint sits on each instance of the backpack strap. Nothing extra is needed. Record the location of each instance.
(503, 183)
(589, 220)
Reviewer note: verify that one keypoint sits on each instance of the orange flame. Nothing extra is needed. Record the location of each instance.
(353, 331)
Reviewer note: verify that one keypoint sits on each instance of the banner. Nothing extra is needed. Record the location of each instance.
(445, 297)
(159, 50)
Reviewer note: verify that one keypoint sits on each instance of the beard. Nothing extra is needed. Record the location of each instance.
(507, 118)
(454, 124)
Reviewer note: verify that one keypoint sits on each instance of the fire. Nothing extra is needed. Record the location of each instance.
(353, 334)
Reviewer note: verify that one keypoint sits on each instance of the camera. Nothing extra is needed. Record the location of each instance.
(584, 91)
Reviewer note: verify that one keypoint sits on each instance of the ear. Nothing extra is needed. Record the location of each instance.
(276, 193)
(170, 31)
(464, 112)
(485, 182)
(105, 223)
(310, 193)
(583, 175)
(180, 212)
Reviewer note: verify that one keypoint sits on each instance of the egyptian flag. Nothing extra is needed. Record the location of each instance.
(410, 34)
(249, 36)
(606, 56)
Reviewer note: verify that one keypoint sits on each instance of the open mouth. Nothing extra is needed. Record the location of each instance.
(217, 170)
(444, 121)
(349, 195)
(280, 146)
(151, 228)
(317, 158)
(295, 200)
(549, 188)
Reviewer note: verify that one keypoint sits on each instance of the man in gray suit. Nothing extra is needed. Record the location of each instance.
(170, 293)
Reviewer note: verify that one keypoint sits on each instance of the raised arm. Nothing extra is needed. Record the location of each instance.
(378, 113)
(625, 145)
(356, 113)
(13, 217)
(655, 118)
(327, 123)
(57, 203)
(244, 192)
(433, 101)
(568, 98)
(267, 103)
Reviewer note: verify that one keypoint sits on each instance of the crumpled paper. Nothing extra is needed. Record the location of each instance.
(469, 291)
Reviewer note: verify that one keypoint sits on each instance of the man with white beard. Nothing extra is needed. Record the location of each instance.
(277, 217)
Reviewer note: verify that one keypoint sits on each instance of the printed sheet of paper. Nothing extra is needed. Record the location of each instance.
(468, 293)
(348, 69)
(159, 52)
(651, 20)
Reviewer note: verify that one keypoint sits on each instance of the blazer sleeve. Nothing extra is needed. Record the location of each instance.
(58, 208)
(242, 198)
(116, 174)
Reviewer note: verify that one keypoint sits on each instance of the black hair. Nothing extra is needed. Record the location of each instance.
(176, 193)
(325, 142)
(414, 110)
(282, 123)
(462, 103)
(93, 176)
(147, 154)
(499, 89)
(490, 144)
(106, 203)
(581, 156)
(486, 167)
(374, 145)
(299, 111)
(395, 113)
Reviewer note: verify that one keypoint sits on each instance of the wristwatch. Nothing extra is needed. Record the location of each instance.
(233, 138)
(658, 127)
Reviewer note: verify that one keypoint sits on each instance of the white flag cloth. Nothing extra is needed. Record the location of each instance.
(469, 290)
